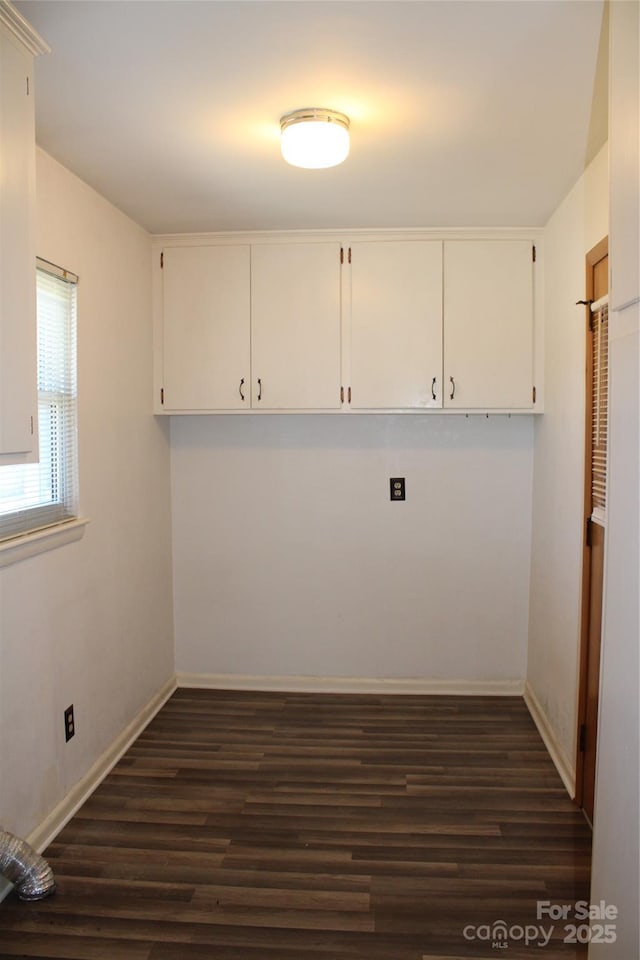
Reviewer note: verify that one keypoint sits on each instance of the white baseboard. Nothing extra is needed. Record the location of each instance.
(43, 834)
(302, 684)
(558, 754)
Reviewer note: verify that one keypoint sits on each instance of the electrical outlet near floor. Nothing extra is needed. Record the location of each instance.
(69, 723)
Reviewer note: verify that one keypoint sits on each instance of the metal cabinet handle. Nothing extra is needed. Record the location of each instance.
(433, 389)
(453, 388)
(259, 389)
(240, 389)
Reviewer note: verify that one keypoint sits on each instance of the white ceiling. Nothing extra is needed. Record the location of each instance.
(463, 113)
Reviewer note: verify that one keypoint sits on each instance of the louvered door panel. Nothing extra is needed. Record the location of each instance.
(599, 411)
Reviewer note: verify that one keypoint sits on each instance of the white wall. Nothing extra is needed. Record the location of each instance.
(289, 558)
(617, 812)
(616, 826)
(556, 562)
(91, 622)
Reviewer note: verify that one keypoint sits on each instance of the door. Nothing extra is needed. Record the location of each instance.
(295, 326)
(206, 328)
(488, 324)
(396, 325)
(595, 504)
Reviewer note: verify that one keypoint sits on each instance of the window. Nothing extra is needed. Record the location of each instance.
(37, 495)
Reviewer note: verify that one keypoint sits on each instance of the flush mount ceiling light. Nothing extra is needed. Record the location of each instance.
(314, 138)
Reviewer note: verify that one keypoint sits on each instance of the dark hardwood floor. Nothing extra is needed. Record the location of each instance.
(267, 826)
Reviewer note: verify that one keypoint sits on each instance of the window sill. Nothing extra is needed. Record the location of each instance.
(39, 541)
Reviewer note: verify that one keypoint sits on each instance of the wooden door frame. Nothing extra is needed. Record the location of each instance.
(594, 256)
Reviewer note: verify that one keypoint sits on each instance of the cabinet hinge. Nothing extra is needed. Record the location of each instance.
(341, 394)
(582, 738)
(533, 253)
(161, 259)
(162, 395)
(533, 395)
(341, 254)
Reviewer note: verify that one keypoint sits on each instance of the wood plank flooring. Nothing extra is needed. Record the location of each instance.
(267, 826)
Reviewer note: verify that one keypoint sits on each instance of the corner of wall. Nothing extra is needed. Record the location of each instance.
(578, 223)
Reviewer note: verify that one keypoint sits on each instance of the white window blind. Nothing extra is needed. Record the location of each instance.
(599, 408)
(37, 495)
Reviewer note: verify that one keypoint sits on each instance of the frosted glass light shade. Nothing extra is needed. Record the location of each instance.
(314, 138)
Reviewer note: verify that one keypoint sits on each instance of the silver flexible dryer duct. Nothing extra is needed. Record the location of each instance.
(21, 865)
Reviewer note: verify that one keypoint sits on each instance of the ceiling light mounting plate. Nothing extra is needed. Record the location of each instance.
(314, 113)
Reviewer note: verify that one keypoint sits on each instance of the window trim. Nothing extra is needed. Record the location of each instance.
(30, 544)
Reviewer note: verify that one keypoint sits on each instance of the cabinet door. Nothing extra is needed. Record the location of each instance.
(488, 324)
(206, 328)
(18, 367)
(396, 325)
(295, 326)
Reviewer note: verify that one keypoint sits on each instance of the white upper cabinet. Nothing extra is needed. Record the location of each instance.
(396, 324)
(206, 328)
(18, 366)
(295, 326)
(370, 323)
(488, 324)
